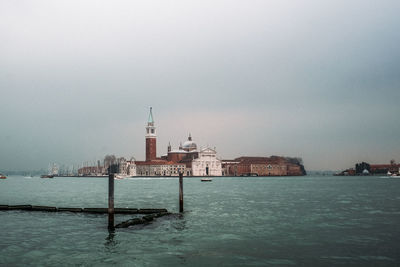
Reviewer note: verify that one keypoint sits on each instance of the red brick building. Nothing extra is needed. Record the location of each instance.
(384, 168)
(263, 166)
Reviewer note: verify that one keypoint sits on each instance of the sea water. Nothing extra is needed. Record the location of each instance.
(231, 221)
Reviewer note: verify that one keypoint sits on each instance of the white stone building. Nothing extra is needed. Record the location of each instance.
(131, 168)
(207, 164)
(126, 167)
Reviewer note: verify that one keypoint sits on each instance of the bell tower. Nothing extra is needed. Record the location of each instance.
(151, 138)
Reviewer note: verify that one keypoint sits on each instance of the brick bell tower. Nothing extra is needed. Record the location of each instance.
(151, 138)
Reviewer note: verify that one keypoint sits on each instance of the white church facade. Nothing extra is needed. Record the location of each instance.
(207, 164)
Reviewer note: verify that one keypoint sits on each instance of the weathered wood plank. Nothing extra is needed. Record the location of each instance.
(20, 207)
(44, 208)
(70, 209)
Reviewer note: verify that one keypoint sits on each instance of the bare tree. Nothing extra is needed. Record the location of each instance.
(109, 160)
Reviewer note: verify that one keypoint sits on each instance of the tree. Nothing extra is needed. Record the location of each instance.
(109, 160)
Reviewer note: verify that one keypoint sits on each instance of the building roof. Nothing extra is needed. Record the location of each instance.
(189, 144)
(260, 160)
(178, 151)
(383, 166)
(156, 162)
(229, 161)
(208, 149)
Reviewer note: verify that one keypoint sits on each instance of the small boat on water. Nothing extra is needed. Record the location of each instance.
(393, 175)
(206, 180)
(46, 176)
(2, 176)
(53, 171)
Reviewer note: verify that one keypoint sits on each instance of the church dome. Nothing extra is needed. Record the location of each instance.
(189, 145)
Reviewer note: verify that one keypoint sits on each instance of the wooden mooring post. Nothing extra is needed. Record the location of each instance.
(180, 192)
(111, 202)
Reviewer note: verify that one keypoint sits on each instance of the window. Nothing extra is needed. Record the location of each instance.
(152, 131)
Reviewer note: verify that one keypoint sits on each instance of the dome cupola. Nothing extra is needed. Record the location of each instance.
(189, 145)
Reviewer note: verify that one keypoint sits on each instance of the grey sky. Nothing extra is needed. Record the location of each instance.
(314, 79)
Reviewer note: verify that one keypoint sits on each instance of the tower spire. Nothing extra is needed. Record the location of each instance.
(150, 121)
(190, 137)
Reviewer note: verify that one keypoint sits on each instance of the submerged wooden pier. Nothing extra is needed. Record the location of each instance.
(83, 210)
(150, 214)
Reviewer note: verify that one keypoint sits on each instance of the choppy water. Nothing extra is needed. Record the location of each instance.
(309, 221)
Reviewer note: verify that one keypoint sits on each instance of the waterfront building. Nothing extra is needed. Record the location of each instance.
(385, 168)
(365, 168)
(263, 166)
(119, 166)
(92, 171)
(132, 171)
(161, 168)
(126, 167)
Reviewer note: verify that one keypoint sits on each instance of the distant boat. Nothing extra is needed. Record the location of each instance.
(46, 176)
(53, 171)
(2, 176)
(393, 175)
(206, 180)
(121, 176)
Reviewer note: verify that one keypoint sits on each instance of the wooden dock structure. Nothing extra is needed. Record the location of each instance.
(150, 214)
(83, 210)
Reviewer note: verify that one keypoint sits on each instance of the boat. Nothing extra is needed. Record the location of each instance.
(53, 171)
(46, 176)
(206, 179)
(119, 177)
(2, 176)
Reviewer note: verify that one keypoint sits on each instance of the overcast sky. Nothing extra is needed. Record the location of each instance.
(313, 79)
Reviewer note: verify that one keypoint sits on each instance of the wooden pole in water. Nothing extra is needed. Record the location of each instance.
(180, 192)
(111, 202)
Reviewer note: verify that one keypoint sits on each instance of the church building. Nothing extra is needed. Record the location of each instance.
(186, 159)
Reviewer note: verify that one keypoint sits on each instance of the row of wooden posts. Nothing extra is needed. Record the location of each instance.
(111, 210)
